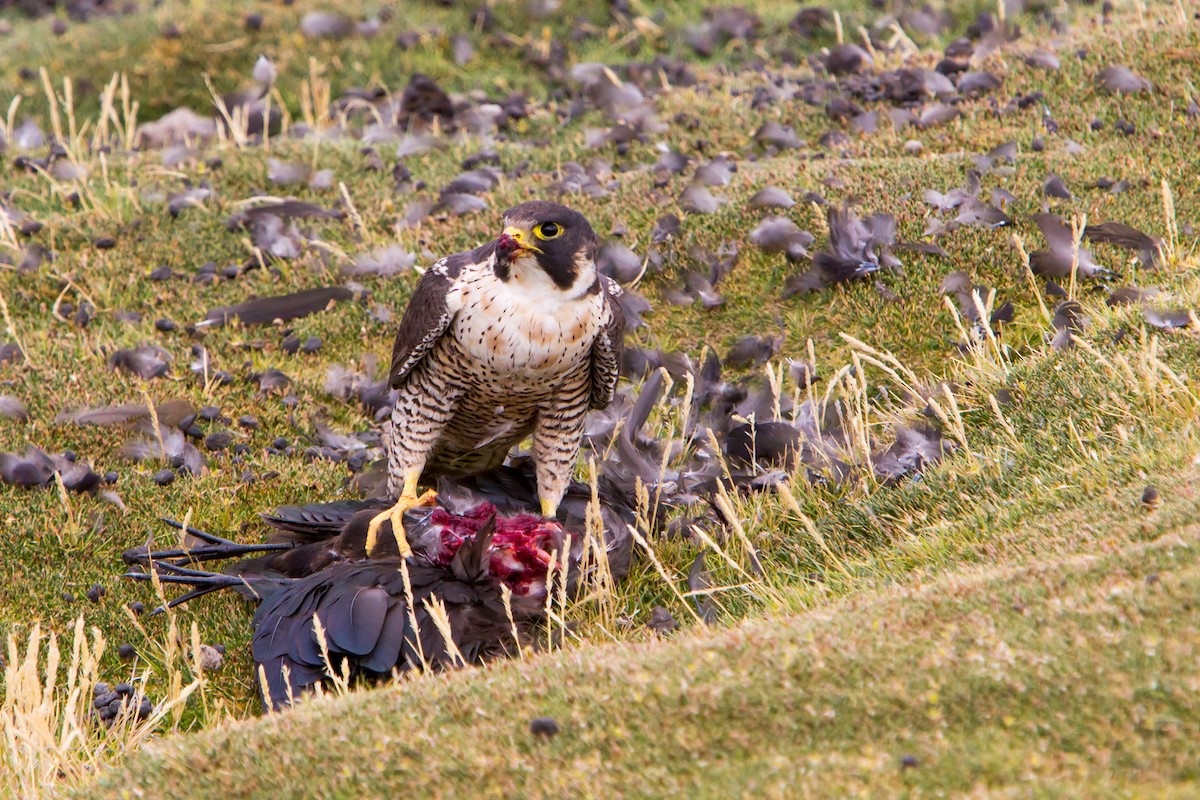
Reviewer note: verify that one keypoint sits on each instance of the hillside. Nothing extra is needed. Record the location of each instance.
(862, 619)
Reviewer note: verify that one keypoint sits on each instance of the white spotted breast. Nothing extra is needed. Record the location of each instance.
(510, 329)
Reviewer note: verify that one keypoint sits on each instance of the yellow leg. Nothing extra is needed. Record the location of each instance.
(408, 499)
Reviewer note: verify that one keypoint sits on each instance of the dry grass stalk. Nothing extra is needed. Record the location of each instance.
(1019, 243)
(50, 738)
(662, 572)
(441, 620)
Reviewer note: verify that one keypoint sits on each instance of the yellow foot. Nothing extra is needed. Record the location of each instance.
(395, 515)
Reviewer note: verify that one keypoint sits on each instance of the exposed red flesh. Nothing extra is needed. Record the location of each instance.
(521, 547)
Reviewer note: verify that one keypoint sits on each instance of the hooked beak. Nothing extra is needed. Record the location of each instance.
(516, 239)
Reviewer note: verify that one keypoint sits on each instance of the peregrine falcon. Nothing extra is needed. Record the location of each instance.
(517, 338)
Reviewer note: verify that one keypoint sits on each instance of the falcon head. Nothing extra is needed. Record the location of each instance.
(547, 238)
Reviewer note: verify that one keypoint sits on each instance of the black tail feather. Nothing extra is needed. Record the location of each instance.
(214, 548)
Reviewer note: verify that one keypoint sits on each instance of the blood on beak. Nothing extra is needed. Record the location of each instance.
(514, 239)
(507, 244)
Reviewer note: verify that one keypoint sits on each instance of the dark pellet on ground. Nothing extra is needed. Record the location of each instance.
(164, 477)
(218, 441)
(95, 592)
(543, 726)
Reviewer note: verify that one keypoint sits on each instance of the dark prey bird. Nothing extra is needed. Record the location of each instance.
(518, 337)
(323, 565)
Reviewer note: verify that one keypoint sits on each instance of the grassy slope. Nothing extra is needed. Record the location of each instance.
(1073, 678)
(1086, 439)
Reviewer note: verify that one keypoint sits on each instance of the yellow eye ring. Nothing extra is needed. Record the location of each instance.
(548, 230)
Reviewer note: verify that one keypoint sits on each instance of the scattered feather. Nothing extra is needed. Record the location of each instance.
(699, 584)
(779, 136)
(781, 235)
(772, 197)
(1054, 187)
(1122, 80)
(169, 412)
(326, 25)
(718, 172)
(665, 228)
(1058, 258)
(846, 59)
(1043, 59)
(12, 408)
(913, 450)
(1169, 320)
(699, 200)
(1148, 249)
(385, 261)
(618, 262)
(192, 197)
(857, 247)
(1069, 319)
(147, 361)
(271, 381)
(167, 444)
(281, 308)
(752, 350)
(264, 71)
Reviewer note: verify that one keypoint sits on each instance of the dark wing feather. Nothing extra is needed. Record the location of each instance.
(266, 310)
(390, 643)
(427, 316)
(316, 521)
(606, 352)
(425, 320)
(355, 620)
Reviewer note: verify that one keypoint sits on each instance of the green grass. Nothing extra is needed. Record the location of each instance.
(1090, 429)
(1072, 678)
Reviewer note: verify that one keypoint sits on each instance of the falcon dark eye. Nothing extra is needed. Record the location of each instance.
(548, 230)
